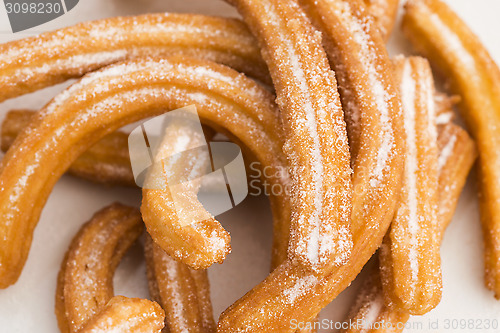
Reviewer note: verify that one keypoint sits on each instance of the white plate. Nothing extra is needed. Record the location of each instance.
(28, 306)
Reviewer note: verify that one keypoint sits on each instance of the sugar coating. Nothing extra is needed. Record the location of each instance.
(307, 114)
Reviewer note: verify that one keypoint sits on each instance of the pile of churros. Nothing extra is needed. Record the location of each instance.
(375, 160)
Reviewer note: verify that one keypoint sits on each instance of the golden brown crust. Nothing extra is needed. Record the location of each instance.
(458, 152)
(85, 282)
(33, 63)
(183, 292)
(457, 155)
(127, 315)
(410, 259)
(438, 33)
(106, 162)
(66, 127)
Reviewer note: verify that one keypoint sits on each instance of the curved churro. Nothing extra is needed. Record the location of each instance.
(410, 260)
(306, 91)
(50, 58)
(127, 315)
(106, 162)
(316, 141)
(437, 32)
(85, 281)
(183, 292)
(287, 290)
(84, 297)
(384, 12)
(371, 102)
(178, 206)
(457, 153)
(59, 134)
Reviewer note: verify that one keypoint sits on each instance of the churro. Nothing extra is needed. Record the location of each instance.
(182, 291)
(316, 141)
(371, 103)
(457, 153)
(127, 315)
(106, 162)
(59, 134)
(438, 33)
(290, 293)
(85, 281)
(34, 63)
(409, 259)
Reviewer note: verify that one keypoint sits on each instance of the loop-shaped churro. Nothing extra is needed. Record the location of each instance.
(288, 289)
(84, 297)
(85, 281)
(439, 34)
(410, 259)
(37, 62)
(127, 315)
(59, 134)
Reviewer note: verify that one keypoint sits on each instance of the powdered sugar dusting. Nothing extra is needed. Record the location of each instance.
(307, 116)
(299, 288)
(177, 309)
(311, 124)
(373, 76)
(372, 311)
(369, 303)
(408, 95)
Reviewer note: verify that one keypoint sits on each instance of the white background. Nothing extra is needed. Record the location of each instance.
(28, 306)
